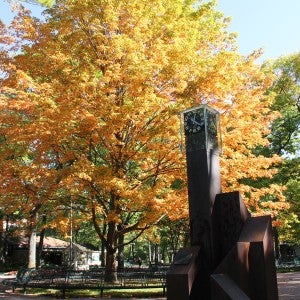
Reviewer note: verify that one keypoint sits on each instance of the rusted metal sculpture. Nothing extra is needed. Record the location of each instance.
(231, 254)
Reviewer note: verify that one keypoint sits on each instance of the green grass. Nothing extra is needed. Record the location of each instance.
(124, 293)
(288, 269)
(146, 293)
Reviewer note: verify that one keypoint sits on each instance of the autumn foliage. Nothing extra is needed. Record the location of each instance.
(90, 101)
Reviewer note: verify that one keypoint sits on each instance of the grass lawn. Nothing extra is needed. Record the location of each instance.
(124, 293)
(288, 269)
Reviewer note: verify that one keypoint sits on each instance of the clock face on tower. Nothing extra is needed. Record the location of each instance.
(193, 121)
(201, 129)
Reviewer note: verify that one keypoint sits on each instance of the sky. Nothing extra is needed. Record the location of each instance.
(6, 14)
(272, 25)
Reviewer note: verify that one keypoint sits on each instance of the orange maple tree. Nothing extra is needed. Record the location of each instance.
(92, 97)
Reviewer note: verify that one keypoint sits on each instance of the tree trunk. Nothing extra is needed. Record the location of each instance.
(111, 266)
(163, 254)
(103, 249)
(40, 248)
(32, 249)
(103, 255)
(5, 241)
(276, 243)
(156, 254)
(121, 252)
(32, 240)
(1, 243)
(150, 254)
(111, 255)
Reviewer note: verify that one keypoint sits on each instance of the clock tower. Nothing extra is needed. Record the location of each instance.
(202, 145)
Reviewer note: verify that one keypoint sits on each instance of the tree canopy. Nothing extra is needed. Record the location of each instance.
(90, 100)
(285, 140)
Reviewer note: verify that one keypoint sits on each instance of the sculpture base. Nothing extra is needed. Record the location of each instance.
(182, 273)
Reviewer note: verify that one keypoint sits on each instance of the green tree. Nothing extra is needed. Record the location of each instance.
(174, 234)
(285, 141)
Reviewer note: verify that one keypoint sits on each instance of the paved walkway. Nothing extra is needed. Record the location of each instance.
(288, 287)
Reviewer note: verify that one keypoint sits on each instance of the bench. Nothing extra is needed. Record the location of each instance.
(21, 278)
(65, 280)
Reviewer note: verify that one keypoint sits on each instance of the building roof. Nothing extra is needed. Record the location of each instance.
(80, 248)
(50, 242)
